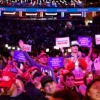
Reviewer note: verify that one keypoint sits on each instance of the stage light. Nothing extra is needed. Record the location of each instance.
(13, 48)
(90, 21)
(69, 50)
(9, 47)
(18, 48)
(6, 45)
(56, 47)
(47, 50)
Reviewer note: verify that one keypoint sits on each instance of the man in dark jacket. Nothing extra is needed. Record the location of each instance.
(33, 88)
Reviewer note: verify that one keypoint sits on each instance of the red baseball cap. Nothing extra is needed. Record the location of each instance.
(26, 75)
(42, 54)
(33, 68)
(7, 79)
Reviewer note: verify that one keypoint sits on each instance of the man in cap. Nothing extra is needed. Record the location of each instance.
(48, 86)
(10, 90)
(43, 59)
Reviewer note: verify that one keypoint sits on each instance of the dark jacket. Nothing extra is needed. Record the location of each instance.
(22, 96)
(33, 92)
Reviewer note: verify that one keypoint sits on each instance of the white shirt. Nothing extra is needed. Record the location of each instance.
(97, 63)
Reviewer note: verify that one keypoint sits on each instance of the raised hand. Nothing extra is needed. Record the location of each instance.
(21, 44)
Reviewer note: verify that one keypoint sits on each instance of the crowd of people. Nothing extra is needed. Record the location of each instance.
(42, 35)
(42, 3)
(39, 35)
(25, 76)
(50, 3)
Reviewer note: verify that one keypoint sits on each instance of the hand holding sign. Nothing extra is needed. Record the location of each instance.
(24, 47)
(27, 47)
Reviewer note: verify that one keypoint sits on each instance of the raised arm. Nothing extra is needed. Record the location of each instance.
(30, 60)
(90, 51)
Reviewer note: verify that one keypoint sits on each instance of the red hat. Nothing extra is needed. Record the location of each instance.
(43, 54)
(7, 79)
(63, 71)
(32, 69)
(26, 75)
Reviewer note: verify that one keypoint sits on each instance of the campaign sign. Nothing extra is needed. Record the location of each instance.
(56, 62)
(62, 42)
(27, 47)
(19, 56)
(97, 39)
(84, 41)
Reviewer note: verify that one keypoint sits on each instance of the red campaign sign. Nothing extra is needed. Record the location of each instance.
(59, 42)
(62, 42)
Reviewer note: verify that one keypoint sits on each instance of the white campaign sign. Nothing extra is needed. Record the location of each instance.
(62, 42)
(27, 47)
(97, 39)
